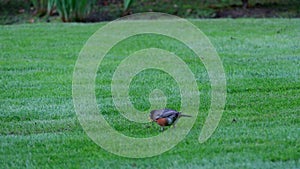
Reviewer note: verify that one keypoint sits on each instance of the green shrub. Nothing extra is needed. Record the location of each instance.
(127, 4)
(43, 7)
(69, 10)
(73, 10)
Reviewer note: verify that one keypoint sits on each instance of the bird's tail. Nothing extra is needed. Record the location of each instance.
(185, 115)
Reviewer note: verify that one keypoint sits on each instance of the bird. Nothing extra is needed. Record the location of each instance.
(166, 117)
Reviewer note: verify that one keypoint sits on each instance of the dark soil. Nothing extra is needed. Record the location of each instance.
(259, 11)
(239, 12)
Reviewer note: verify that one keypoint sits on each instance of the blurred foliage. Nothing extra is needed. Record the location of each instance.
(40, 6)
(127, 3)
(73, 10)
(12, 11)
(69, 10)
(22, 11)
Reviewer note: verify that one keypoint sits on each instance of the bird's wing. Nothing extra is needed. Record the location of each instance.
(168, 113)
(155, 114)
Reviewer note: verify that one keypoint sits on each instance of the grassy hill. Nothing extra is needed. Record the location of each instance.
(259, 127)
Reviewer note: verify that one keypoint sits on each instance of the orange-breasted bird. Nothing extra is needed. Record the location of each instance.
(166, 117)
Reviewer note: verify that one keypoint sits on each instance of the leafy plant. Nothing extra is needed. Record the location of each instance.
(40, 6)
(69, 10)
(50, 6)
(127, 3)
(73, 10)
(43, 7)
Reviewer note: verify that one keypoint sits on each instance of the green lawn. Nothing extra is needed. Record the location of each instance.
(261, 57)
